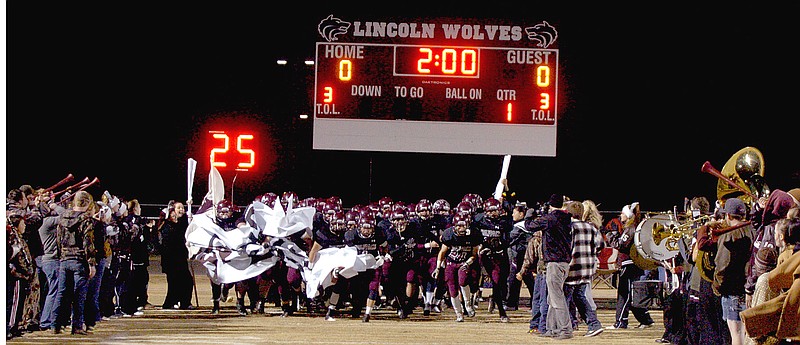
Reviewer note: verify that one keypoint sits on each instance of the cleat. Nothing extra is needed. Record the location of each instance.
(241, 310)
(329, 315)
(459, 318)
(426, 310)
(437, 308)
(470, 312)
(491, 308)
(57, 330)
(504, 319)
(365, 318)
(79, 332)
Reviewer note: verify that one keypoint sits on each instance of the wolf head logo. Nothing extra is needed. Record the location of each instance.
(331, 27)
(543, 32)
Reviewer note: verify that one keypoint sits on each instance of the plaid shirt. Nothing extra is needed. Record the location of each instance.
(585, 239)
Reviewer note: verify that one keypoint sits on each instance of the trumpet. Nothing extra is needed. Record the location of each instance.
(674, 233)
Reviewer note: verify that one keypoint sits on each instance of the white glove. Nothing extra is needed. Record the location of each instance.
(387, 257)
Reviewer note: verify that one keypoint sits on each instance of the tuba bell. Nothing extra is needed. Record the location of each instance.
(741, 177)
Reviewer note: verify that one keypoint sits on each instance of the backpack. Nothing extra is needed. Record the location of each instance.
(75, 234)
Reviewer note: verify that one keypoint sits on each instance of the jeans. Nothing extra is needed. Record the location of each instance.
(42, 283)
(578, 294)
(92, 311)
(50, 269)
(72, 274)
(732, 305)
(539, 304)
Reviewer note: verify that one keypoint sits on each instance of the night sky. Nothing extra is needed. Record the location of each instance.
(127, 92)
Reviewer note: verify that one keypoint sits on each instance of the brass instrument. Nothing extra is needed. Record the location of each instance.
(641, 261)
(706, 265)
(742, 176)
(672, 233)
(645, 252)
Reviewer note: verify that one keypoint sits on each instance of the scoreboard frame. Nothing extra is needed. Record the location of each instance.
(459, 94)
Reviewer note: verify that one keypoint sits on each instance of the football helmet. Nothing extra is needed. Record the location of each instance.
(224, 209)
(461, 223)
(366, 226)
(423, 209)
(288, 196)
(492, 207)
(385, 202)
(399, 219)
(338, 222)
(441, 206)
(474, 199)
(464, 207)
(328, 210)
(267, 198)
(351, 218)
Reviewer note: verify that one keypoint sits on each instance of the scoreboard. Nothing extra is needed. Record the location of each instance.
(436, 86)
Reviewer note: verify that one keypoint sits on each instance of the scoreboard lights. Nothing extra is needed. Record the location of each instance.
(456, 97)
(229, 152)
(436, 61)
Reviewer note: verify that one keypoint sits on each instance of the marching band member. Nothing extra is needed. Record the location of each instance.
(731, 246)
(631, 217)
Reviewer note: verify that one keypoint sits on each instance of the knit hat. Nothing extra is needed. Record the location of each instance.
(556, 200)
(795, 193)
(766, 260)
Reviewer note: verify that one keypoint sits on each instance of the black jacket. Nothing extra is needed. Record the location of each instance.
(556, 235)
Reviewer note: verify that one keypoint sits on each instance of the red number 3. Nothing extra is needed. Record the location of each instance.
(245, 164)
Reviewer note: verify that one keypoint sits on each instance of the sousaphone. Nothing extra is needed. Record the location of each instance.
(741, 177)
